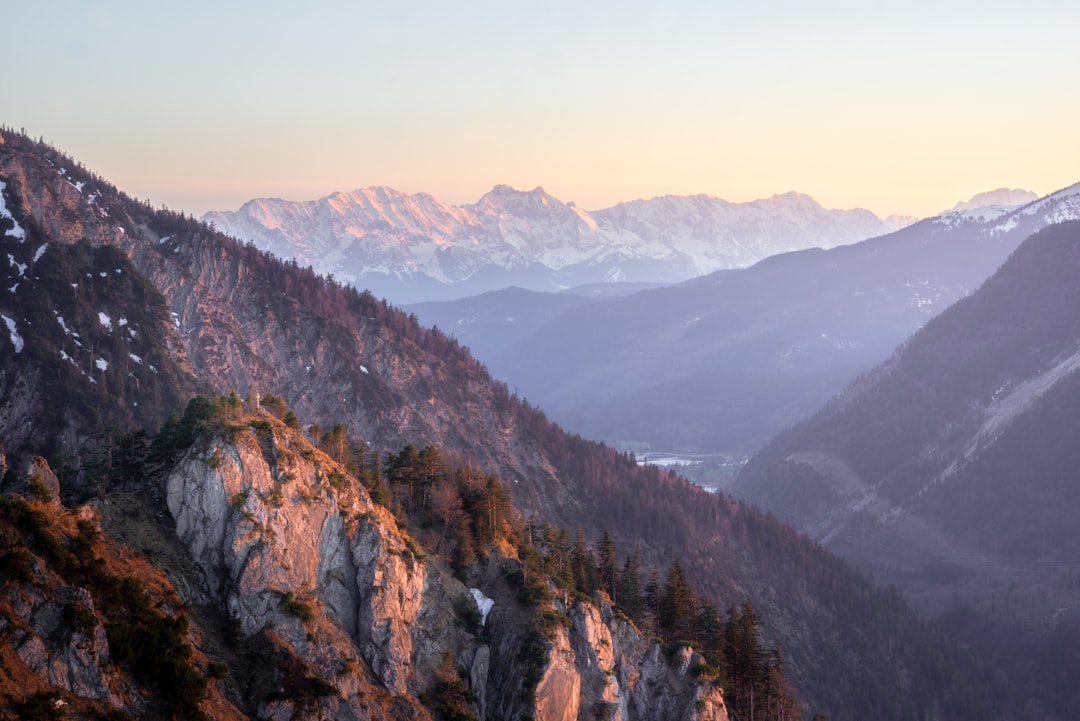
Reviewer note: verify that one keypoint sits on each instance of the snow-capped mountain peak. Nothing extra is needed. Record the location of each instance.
(1003, 197)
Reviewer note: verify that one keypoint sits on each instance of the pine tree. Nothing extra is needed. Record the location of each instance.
(676, 605)
(582, 565)
(629, 594)
(651, 601)
(709, 634)
(605, 565)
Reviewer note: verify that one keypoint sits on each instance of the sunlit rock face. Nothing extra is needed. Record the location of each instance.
(265, 523)
(276, 527)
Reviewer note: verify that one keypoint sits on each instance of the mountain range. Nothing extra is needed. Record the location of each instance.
(102, 295)
(412, 248)
(720, 364)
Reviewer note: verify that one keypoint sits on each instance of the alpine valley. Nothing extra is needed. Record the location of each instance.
(716, 366)
(233, 488)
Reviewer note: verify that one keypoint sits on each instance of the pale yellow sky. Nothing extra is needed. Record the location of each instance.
(900, 110)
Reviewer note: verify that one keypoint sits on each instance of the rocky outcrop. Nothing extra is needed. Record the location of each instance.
(627, 677)
(72, 657)
(60, 581)
(296, 551)
(279, 535)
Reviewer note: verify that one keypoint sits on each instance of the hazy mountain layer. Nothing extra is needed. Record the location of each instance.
(951, 469)
(724, 362)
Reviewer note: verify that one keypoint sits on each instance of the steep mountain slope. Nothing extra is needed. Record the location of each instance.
(248, 322)
(724, 362)
(951, 469)
(416, 248)
(87, 334)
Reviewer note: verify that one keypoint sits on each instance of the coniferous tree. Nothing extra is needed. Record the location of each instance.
(746, 665)
(676, 605)
(582, 564)
(605, 565)
(651, 601)
(709, 634)
(629, 592)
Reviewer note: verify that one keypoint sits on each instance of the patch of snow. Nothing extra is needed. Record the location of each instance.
(119, 271)
(164, 239)
(102, 364)
(122, 322)
(1004, 408)
(20, 268)
(135, 358)
(40, 252)
(13, 288)
(16, 339)
(65, 356)
(483, 603)
(105, 321)
(63, 324)
(363, 369)
(132, 333)
(17, 231)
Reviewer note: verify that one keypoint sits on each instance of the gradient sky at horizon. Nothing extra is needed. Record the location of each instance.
(905, 108)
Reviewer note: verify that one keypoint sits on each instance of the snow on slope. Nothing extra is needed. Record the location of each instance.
(17, 231)
(997, 219)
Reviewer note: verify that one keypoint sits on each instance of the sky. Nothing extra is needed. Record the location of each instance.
(906, 107)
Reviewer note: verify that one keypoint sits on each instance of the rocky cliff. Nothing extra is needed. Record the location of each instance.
(330, 609)
(276, 528)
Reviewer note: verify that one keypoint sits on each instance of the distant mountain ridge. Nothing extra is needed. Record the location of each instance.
(1000, 196)
(415, 247)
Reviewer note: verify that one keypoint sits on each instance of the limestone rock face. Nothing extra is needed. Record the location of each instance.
(602, 666)
(297, 552)
(559, 691)
(280, 535)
